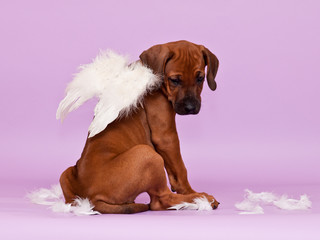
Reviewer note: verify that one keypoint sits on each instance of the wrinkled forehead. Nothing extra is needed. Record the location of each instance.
(185, 60)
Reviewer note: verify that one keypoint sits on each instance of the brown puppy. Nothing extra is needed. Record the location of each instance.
(129, 156)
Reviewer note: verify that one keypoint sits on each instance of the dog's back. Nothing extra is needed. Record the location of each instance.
(119, 136)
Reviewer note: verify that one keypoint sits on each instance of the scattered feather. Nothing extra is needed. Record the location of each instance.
(249, 207)
(265, 197)
(83, 207)
(201, 204)
(292, 204)
(54, 199)
(253, 201)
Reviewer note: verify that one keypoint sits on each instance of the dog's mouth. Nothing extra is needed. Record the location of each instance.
(187, 106)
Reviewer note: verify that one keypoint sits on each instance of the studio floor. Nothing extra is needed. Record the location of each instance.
(20, 219)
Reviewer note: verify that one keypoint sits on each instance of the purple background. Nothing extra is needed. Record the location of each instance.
(259, 130)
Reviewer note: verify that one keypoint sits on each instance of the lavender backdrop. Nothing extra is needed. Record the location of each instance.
(262, 123)
(260, 127)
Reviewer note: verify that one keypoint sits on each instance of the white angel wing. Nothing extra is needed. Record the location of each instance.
(119, 87)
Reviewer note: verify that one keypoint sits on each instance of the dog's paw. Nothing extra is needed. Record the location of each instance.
(215, 204)
(212, 200)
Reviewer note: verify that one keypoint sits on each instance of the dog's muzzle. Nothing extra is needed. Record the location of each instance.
(187, 106)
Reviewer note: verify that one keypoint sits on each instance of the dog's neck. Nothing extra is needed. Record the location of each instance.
(162, 102)
(164, 89)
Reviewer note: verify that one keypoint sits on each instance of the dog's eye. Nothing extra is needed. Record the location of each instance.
(174, 81)
(200, 79)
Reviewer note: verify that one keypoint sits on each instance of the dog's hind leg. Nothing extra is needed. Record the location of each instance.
(104, 207)
(68, 184)
(125, 177)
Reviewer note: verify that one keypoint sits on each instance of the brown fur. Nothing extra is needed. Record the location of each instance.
(130, 155)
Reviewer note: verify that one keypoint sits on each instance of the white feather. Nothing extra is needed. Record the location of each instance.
(249, 207)
(61, 206)
(54, 198)
(265, 197)
(201, 204)
(253, 201)
(293, 204)
(83, 207)
(120, 88)
(45, 196)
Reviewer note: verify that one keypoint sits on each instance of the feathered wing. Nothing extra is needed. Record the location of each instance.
(118, 86)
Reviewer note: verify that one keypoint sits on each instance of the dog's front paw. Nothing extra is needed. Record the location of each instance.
(215, 204)
(212, 200)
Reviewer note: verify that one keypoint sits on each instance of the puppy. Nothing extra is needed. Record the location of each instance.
(129, 156)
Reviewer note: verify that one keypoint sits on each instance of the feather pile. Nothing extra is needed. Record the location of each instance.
(54, 199)
(201, 204)
(118, 86)
(253, 201)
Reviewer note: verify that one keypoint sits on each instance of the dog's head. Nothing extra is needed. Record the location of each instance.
(182, 66)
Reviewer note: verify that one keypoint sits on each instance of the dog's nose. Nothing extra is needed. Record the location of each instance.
(189, 108)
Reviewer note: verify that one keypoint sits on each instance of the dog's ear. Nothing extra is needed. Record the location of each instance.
(156, 58)
(212, 63)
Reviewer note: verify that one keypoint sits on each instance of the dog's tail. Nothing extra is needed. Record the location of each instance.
(53, 198)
